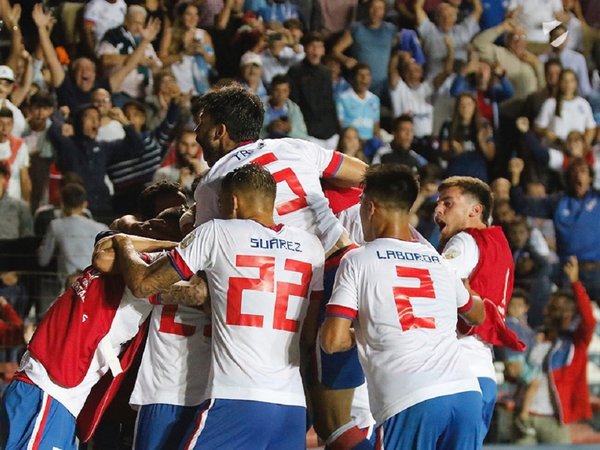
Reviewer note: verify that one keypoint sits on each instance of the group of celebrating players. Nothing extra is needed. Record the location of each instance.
(269, 305)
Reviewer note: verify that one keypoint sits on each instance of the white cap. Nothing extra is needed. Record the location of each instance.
(6, 73)
(250, 58)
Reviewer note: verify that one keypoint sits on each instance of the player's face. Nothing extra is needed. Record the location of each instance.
(365, 218)
(451, 212)
(206, 137)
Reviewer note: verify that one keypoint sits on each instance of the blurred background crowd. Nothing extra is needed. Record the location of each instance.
(95, 105)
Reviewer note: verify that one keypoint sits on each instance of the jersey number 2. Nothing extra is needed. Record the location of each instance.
(403, 294)
(169, 326)
(292, 181)
(266, 283)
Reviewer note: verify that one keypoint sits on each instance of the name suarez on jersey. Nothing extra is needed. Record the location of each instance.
(275, 243)
(407, 256)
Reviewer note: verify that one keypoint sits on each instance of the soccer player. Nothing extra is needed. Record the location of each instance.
(78, 341)
(402, 299)
(260, 277)
(229, 121)
(481, 256)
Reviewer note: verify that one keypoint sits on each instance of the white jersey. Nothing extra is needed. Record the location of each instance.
(130, 315)
(462, 253)
(260, 281)
(175, 368)
(404, 298)
(297, 167)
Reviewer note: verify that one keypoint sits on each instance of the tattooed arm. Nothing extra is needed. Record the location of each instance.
(191, 293)
(142, 279)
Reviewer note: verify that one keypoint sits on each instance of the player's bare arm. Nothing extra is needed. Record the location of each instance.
(142, 279)
(337, 335)
(103, 258)
(351, 173)
(191, 293)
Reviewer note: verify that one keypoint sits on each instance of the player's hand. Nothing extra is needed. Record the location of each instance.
(571, 269)
(522, 124)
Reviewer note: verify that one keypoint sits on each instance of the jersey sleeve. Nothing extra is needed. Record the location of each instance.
(344, 299)
(196, 252)
(464, 301)
(316, 284)
(328, 161)
(462, 254)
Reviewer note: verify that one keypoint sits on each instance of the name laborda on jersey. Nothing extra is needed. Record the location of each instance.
(407, 256)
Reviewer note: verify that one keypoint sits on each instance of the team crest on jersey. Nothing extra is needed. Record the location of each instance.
(187, 240)
(451, 254)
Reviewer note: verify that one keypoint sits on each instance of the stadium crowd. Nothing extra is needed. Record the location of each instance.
(100, 130)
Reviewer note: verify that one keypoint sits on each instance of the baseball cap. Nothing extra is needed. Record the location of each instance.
(250, 58)
(6, 73)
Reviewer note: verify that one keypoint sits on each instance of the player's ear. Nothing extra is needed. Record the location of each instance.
(220, 131)
(235, 205)
(476, 210)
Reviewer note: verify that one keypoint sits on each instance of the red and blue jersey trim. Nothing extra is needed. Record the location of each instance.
(180, 265)
(334, 165)
(341, 311)
(467, 306)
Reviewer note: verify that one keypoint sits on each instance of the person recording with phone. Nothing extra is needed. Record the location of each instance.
(283, 117)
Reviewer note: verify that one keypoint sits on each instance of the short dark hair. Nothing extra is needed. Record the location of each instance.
(250, 179)
(520, 293)
(475, 188)
(4, 169)
(41, 100)
(313, 36)
(73, 196)
(149, 195)
(358, 67)
(552, 62)
(6, 113)
(401, 118)
(393, 185)
(241, 111)
(279, 79)
(570, 172)
(134, 104)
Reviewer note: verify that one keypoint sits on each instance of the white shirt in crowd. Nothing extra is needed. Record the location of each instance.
(20, 162)
(416, 103)
(533, 13)
(104, 15)
(575, 114)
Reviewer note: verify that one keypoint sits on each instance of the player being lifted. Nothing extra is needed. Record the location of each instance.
(260, 277)
(402, 299)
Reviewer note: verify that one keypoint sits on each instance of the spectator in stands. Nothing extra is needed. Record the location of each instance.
(523, 69)
(16, 218)
(208, 11)
(227, 23)
(350, 144)
(116, 46)
(566, 112)
(576, 215)
(570, 59)
(110, 128)
(561, 396)
(279, 11)
(75, 88)
(489, 83)
(165, 90)
(467, 141)
(433, 36)
(283, 117)
(188, 51)
(532, 270)
(11, 332)
(99, 17)
(251, 69)
(281, 53)
(370, 42)
(359, 107)
(71, 236)
(535, 100)
(131, 176)
(78, 150)
(188, 163)
(531, 14)
(14, 151)
(400, 150)
(310, 83)
(338, 82)
(7, 80)
(41, 151)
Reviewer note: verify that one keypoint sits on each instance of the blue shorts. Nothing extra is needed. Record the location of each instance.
(340, 370)
(241, 424)
(161, 426)
(30, 418)
(489, 390)
(447, 422)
